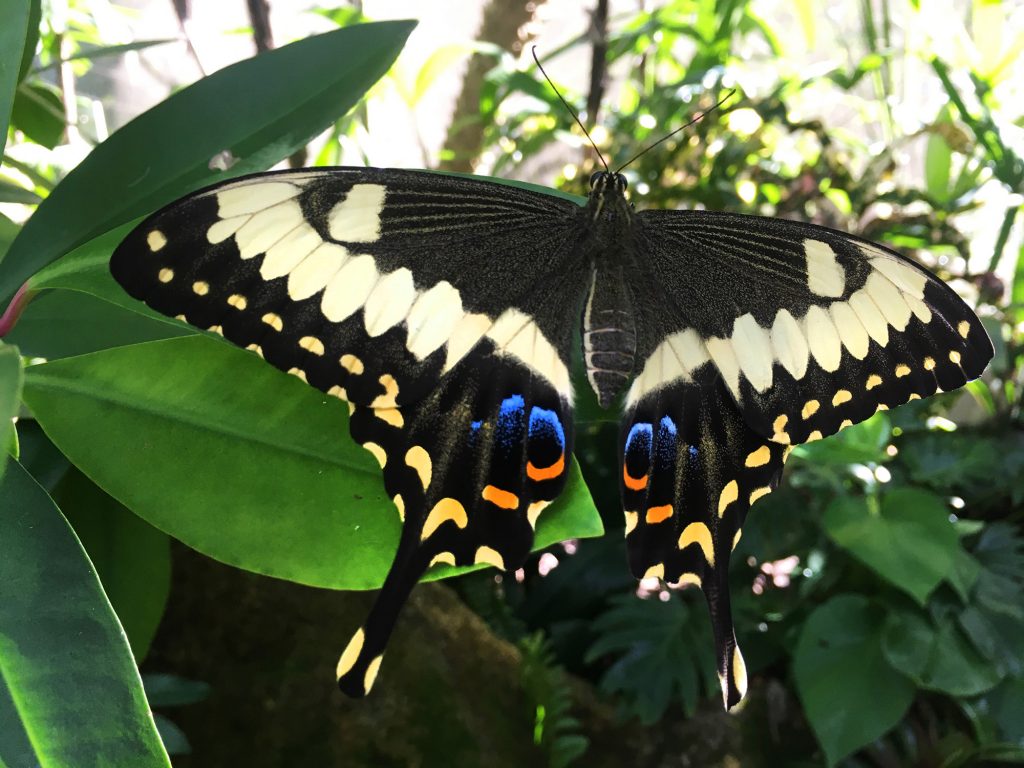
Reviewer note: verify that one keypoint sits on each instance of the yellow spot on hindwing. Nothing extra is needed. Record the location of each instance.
(443, 558)
(810, 408)
(156, 240)
(873, 381)
(417, 458)
(779, 426)
(165, 275)
(757, 493)
(842, 396)
(902, 370)
(352, 364)
(656, 515)
(954, 357)
(255, 348)
(350, 654)
(737, 537)
(391, 416)
(929, 363)
(815, 435)
(378, 453)
(238, 301)
(739, 672)
(632, 518)
(655, 572)
(446, 509)
(729, 494)
(533, 511)
(964, 329)
(400, 506)
(689, 578)
(913, 396)
(490, 557)
(200, 287)
(273, 320)
(700, 534)
(499, 497)
(298, 373)
(312, 344)
(845, 423)
(759, 458)
(390, 397)
(371, 673)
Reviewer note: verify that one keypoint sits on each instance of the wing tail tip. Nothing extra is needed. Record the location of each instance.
(733, 678)
(358, 667)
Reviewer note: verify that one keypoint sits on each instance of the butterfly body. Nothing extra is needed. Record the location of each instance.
(443, 311)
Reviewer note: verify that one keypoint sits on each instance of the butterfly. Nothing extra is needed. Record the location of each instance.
(444, 310)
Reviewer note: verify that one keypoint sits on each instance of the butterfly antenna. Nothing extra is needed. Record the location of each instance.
(701, 116)
(576, 117)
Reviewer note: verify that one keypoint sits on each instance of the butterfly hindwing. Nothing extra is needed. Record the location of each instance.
(690, 470)
(810, 329)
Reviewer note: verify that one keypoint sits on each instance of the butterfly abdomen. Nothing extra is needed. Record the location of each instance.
(609, 335)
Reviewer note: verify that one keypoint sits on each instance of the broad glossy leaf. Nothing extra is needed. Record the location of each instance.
(131, 557)
(248, 465)
(38, 112)
(850, 693)
(10, 396)
(260, 111)
(63, 655)
(909, 541)
(13, 34)
(936, 658)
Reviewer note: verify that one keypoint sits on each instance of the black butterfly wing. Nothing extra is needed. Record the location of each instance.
(440, 308)
(754, 335)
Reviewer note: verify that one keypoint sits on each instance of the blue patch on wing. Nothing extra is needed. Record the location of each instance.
(545, 425)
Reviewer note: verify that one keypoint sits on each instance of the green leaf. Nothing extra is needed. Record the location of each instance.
(64, 323)
(215, 447)
(937, 659)
(14, 32)
(260, 111)
(63, 655)
(850, 693)
(35, 15)
(860, 444)
(39, 113)
(938, 161)
(10, 397)
(13, 193)
(132, 559)
(910, 542)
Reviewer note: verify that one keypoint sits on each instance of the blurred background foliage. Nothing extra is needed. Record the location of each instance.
(879, 592)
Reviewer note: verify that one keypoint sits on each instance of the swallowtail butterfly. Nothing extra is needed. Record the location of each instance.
(443, 310)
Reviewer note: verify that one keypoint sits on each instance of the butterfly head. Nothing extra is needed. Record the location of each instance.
(606, 182)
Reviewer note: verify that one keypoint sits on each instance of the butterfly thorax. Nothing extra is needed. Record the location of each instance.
(609, 329)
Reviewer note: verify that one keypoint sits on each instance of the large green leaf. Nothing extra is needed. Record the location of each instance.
(10, 397)
(248, 465)
(850, 693)
(909, 541)
(260, 111)
(13, 34)
(131, 557)
(63, 655)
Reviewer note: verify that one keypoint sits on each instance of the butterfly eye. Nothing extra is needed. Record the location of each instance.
(620, 182)
(594, 178)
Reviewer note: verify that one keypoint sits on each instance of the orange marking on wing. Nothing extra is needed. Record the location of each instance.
(546, 473)
(657, 514)
(499, 497)
(633, 483)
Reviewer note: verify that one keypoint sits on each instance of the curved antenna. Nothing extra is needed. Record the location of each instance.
(533, 50)
(701, 116)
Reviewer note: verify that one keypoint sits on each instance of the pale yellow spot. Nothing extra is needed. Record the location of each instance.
(390, 397)
(954, 357)
(298, 373)
(443, 558)
(780, 423)
(964, 328)
(845, 423)
(312, 344)
(371, 673)
(200, 287)
(255, 348)
(533, 511)
(392, 416)
(842, 396)
(698, 533)
(785, 453)
(873, 381)
(882, 407)
(400, 506)
(929, 363)
(759, 458)
(181, 317)
(238, 301)
(156, 240)
(165, 275)
(689, 578)
(739, 671)
(446, 509)
(815, 435)
(729, 494)
(350, 654)
(352, 364)
(216, 329)
(417, 458)
(913, 396)
(655, 572)
(632, 518)
(378, 453)
(902, 370)
(273, 320)
(757, 493)
(490, 557)
(737, 537)
(338, 392)
(810, 408)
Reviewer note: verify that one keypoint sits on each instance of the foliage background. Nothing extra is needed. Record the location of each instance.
(878, 592)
